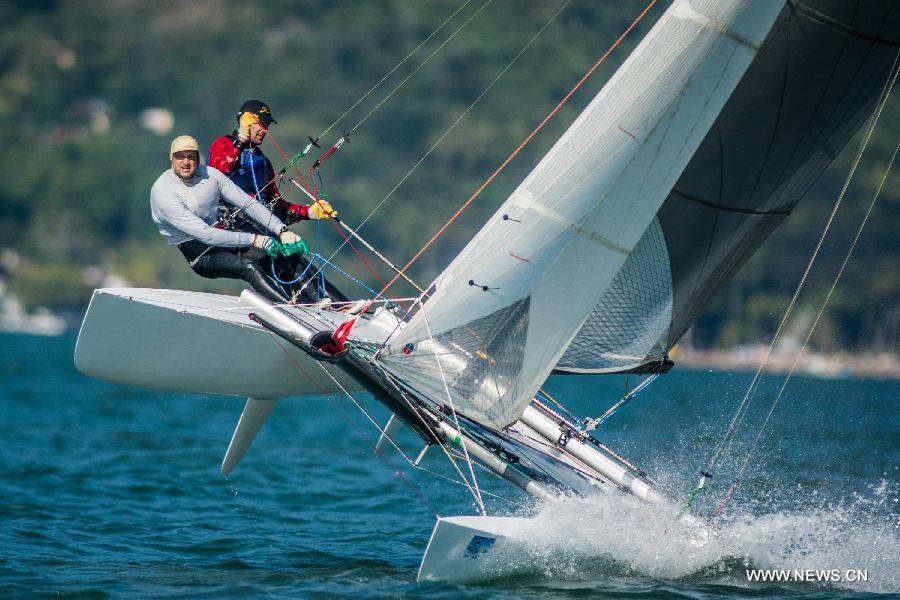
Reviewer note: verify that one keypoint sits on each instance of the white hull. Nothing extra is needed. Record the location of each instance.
(461, 547)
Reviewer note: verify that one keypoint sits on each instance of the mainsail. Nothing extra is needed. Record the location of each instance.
(506, 309)
(816, 78)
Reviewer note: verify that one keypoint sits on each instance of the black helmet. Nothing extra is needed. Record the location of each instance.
(258, 108)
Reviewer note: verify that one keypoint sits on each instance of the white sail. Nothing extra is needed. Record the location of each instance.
(553, 248)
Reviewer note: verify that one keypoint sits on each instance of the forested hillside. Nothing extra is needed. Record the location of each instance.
(91, 94)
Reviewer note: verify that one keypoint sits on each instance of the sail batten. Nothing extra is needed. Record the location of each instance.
(579, 216)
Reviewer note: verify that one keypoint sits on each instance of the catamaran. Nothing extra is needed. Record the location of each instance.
(701, 143)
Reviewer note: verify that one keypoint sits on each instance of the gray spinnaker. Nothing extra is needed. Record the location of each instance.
(813, 84)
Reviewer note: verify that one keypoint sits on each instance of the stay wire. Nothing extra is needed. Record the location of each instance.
(397, 66)
(359, 432)
(381, 81)
(437, 434)
(462, 440)
(422, 64)
(355, 127)
(732, 427)
(530, 42)
(368, 93)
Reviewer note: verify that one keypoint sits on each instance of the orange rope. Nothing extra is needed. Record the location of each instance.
(522, 145)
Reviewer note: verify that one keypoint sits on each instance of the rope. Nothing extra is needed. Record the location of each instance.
(357, 252)
(292, 161)
(558, 405)
(525, 141)
(359, 432)
(885, 94)
(401, 272)
(416, 411)
(408, 460)
(325, 263)
(821, 311)
(348, 242)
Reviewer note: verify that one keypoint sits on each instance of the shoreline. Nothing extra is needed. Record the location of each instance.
(881, 365)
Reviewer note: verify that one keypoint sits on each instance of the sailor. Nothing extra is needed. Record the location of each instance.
(239, 156)
(184, 203)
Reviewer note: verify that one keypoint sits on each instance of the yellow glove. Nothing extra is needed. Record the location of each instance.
(247, 119)
(321, 209)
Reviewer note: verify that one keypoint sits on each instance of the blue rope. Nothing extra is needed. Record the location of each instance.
(321, 275)
(321, 186)
(348, 276)
(252, 173)
(293, 281)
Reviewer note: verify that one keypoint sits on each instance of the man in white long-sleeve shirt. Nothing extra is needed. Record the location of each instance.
(184, 203)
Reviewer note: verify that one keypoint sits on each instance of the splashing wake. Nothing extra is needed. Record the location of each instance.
(619, 536)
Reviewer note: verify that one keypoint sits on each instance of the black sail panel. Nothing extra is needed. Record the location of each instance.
(815, 81)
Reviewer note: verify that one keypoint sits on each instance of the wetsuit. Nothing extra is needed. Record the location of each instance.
(185, 212)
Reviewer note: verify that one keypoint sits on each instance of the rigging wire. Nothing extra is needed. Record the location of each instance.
(291, 162)
(438, 435)
(557, 404)
(397, 66)
(401, 272)
(524, 142)
(422, 64)
(590, 424)
(383, 458)
(408, 460)
(346, 135)
(462, 439)
(416, 411)
(742, 407)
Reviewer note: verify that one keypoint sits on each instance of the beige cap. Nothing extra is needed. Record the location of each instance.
(182, 143)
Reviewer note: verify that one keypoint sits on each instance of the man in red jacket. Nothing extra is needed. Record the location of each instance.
(238, 155)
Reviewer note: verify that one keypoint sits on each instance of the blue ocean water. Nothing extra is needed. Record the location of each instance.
(114, 491)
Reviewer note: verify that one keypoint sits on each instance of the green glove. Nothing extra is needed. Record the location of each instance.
(298, 247)
(276, 248)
